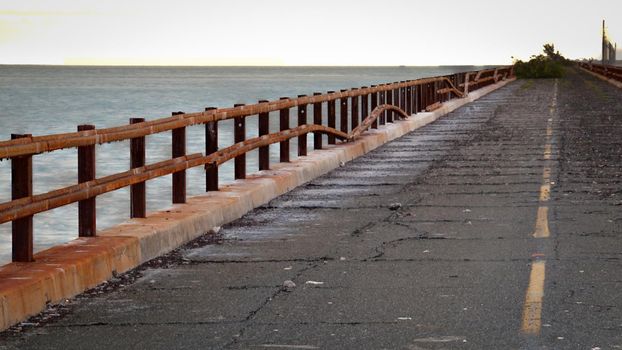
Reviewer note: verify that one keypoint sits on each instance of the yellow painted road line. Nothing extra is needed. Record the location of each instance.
(547, 151)
(545, 193)
(546, 175)
(542, 223)
(549, 131)
(532, 310)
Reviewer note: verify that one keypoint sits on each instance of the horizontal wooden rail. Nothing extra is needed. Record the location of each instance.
(40, 144)
(28, 206)
(388, 102)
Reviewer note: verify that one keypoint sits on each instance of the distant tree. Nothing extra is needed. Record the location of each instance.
(549, 51)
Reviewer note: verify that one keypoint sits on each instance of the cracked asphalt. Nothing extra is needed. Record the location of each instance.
(425, 243)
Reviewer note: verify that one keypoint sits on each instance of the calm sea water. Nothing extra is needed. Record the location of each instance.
(44, 100)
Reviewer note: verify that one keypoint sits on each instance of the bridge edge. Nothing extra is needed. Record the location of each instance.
(69, 269)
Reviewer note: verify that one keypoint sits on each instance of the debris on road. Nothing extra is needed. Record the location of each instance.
(395, 206)
(288, 285)
(314, 283)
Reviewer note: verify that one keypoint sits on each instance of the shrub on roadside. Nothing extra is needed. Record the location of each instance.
(539, 67)
(543, 66)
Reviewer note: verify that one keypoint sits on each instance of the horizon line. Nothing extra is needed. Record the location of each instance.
(241, 65)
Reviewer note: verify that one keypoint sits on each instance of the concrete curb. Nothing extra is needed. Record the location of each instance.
(610, 81)
(68, 269)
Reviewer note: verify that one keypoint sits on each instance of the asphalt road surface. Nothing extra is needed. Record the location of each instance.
(496, 227)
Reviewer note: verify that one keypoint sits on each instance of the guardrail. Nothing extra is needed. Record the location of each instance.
(369, 107)
(607, 71)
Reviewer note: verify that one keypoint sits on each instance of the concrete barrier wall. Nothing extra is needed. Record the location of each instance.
(68, 269)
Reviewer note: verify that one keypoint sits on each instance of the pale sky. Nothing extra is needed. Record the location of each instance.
(292, 32)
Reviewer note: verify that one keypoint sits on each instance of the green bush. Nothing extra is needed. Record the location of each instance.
(539, 67)
(549, 65)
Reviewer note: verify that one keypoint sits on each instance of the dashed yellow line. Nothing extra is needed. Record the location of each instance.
(532, 311)
(542, 223)
(546, 174)
(547, 151)
(545, 192)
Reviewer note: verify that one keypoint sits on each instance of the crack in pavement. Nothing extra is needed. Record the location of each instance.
(265, 303)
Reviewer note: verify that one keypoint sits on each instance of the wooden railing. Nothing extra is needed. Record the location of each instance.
(378, 105)
(607, 71)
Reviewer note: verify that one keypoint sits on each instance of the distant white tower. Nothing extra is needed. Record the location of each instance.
(609, 49)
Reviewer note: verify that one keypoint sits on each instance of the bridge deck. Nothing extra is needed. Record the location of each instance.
(477, 254)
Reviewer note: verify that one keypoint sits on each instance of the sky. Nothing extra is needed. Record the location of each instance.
(293, 32)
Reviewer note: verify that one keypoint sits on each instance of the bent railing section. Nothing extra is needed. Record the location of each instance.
(375, 114)
(387, 103)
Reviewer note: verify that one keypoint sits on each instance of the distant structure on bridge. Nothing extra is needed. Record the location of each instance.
(609, 49)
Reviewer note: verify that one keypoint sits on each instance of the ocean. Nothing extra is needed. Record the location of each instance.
(55, 99)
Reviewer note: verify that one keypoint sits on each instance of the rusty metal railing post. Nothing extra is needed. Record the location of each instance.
(284, 125)
(211, 146)
(439, 97)
(456, 83)
(389, 101)
(343, 113)
(431, 94)
(317, 120)
(403, 98)
(373, 105)
(239, 135)
(364, 105)
(435, 95)
(87, 218)
(381, 101)
(302, 120)
(426, 95)
(264, 129)
(437, 86)
(21, 186)
(396, 96)
(413, 98)
(409, 104)
(179, 150)
(331, 108)
(418, 98)
(354, 111)
(415, 105)
(138, 196)
(398, 100)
